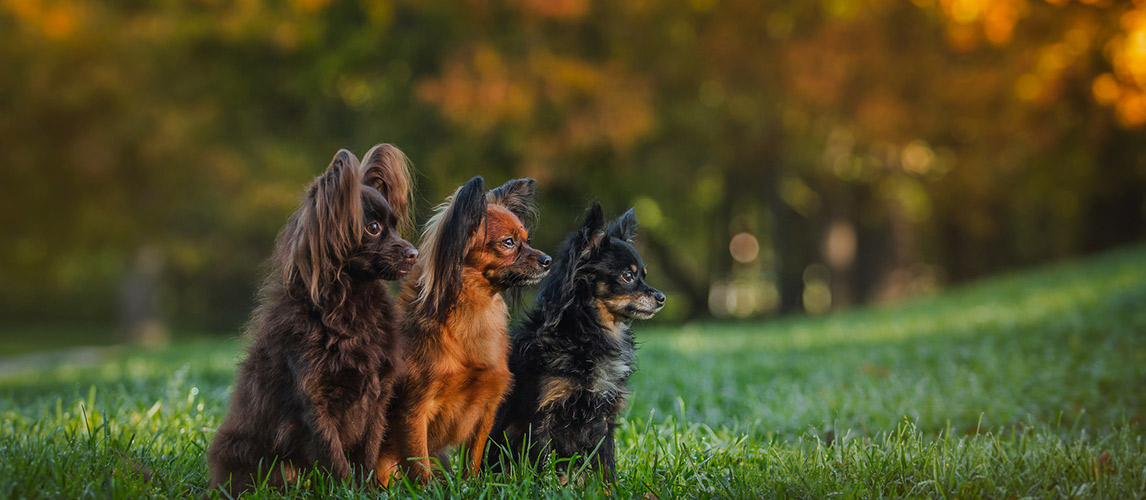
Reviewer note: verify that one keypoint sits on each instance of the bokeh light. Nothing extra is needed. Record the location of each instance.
(744, 248)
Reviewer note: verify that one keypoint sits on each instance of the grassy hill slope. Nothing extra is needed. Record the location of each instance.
(1025, 385)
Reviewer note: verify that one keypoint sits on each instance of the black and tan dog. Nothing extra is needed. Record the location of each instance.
(324, 350)
(572, 357)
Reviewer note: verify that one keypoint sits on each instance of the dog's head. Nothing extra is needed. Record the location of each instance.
(347, 226)
(385, 213)
(481, 231)
(610, 266)
(502, 251)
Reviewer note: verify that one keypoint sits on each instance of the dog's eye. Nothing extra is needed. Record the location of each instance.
(627, 276)
(374, 229)
(508, 243)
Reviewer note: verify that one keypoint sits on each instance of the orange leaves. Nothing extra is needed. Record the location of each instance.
(1125, 89)
(970, 20)
(818, 68)
(600, 104)
(55, 20)
(480, 92)
(557, 9)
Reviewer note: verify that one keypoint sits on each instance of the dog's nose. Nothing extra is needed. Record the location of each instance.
(411, 254)
(660, 298)
(544, 261)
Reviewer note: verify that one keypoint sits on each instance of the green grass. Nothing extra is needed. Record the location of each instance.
(1028, 385)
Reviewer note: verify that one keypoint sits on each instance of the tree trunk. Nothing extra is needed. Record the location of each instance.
(139, 320)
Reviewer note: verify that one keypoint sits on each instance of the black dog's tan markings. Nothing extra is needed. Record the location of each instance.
(324, 355)
(572, 357)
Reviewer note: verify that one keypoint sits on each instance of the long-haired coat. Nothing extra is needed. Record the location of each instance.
(572, 356)
(475, 247)
(324, 350)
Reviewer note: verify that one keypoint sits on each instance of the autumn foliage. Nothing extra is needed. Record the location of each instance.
(785, 155)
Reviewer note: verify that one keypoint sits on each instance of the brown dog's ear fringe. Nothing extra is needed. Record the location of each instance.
(520, 197)
(327, 227)
(387, 169)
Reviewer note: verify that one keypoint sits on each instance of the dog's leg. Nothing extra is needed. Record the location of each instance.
(552, 436)
(364, 456)
(606, 461)
(475, 445)
(325, 446)
(493, 386)
(389, 464)
(386, 469)
(414, 448)
(372, 440)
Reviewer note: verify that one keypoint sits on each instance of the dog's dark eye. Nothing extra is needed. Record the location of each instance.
(374, 229)
(508, 243)
(627, 276)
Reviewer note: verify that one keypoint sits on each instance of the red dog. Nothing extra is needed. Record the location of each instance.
(474, 248)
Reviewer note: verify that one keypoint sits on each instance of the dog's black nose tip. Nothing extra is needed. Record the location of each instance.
(544, 261)
(411, 254)
(660, 298)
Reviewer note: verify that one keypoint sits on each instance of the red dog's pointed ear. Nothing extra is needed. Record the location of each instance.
(519, 196)
(387, 169)
(328, 225)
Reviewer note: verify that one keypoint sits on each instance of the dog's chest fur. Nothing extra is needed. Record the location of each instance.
(470, 371)
(611, 371)
(596, 364)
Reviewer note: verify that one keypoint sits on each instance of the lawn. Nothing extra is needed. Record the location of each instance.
(1027, 385)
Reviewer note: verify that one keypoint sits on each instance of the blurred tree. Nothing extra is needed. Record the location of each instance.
(869, 149)
(906, 130)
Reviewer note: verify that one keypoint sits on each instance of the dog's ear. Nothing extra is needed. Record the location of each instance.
(387, 169)
(624, 227)
(519, 196)
(327, 227)
(446, 242)
(592, 231)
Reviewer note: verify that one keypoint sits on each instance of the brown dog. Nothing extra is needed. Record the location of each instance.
(324, 354)
(474, 247)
